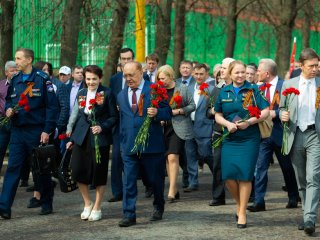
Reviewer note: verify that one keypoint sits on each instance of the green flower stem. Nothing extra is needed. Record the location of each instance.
(141, 140)
(96, 142)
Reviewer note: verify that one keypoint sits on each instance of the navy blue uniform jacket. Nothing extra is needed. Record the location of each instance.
(44, 108)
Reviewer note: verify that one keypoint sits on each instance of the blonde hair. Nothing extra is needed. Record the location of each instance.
(167, 70)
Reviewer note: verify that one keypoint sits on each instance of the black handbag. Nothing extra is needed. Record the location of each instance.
(44, 159)
(64, 174)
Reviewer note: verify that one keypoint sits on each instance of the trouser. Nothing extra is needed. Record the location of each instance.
(305, 155)
(154, 167)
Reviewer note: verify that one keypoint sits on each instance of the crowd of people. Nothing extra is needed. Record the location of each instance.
(199, 119)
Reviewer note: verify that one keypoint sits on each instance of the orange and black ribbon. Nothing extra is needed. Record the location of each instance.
(318, 98)
(28, 90)
(140, 105)
(275, 100)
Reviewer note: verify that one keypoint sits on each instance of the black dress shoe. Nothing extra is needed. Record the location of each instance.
(309, 228)
(256, 208)
(127, 222)
(45, 211)
(216, 202)
(148, 192)
(5, 215)
(292, 203)
(115, 199)
(24, 183)
(156, 215)
(34, 203)
(190, 189)
(301, 226)
(30, 189)
(241, 225)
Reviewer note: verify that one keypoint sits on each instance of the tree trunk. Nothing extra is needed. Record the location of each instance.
(116, 39)
(283, 37)
(179, 33)
(163, 30)
(70, 32)
(232, 29)
(306, 25)
(6, 33)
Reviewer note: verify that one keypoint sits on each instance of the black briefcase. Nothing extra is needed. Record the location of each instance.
(44, 159)
(64, 174)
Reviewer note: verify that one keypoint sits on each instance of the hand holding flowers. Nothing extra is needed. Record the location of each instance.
(289, 93)
(23, 103)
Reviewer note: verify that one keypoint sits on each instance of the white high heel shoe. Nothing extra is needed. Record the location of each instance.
(86, 212)
(95, 215)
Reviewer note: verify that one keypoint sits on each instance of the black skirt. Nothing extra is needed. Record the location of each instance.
(174, 144)
(84, 167)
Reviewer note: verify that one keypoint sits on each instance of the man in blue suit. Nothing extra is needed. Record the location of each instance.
(200, 146)
(267, 73)
(134, 101)
(117, 83)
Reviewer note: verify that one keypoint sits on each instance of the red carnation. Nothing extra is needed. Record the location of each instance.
(160, 83)
(92, 101)
(159, 99)
(262, 88)
(62, 136)
(254, 112)
(154, 86)
(27, 108)
(83, 103)
(155, 103)
(267, 85)
(178, 100)
(203, 86)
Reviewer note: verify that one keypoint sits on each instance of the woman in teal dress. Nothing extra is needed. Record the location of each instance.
(240, 149)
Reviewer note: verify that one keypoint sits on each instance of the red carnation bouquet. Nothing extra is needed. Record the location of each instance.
(23, 103)
(176, 100)
(158, 94)
(204, 90)
(253, 111)
(289, 93)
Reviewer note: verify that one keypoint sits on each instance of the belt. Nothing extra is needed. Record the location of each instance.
(311, 127)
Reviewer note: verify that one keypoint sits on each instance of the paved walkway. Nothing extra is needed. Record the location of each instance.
(190, 218)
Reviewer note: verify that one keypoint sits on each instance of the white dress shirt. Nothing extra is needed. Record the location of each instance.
(196, 97)
(273, 86)
(138, 93)
(306, 103)
(153, 76)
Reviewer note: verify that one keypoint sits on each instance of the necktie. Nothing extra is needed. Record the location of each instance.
(268, 94)
(134, 100)
(150, 77)
(184, 81)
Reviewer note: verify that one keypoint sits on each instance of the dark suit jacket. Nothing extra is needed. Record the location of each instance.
(203, 126)
(106, 117)
(277, 130)
(69, 86)
(130, 122)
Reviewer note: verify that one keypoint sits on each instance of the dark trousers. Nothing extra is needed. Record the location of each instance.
(22, 141)
(4, 142)
(116, 165)
(154, 167)
(267, 148)
(218, 192)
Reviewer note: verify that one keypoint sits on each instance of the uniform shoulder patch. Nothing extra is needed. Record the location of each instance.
(42, 74)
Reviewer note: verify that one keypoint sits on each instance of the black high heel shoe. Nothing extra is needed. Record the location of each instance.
(241, 225)
(177, 196)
